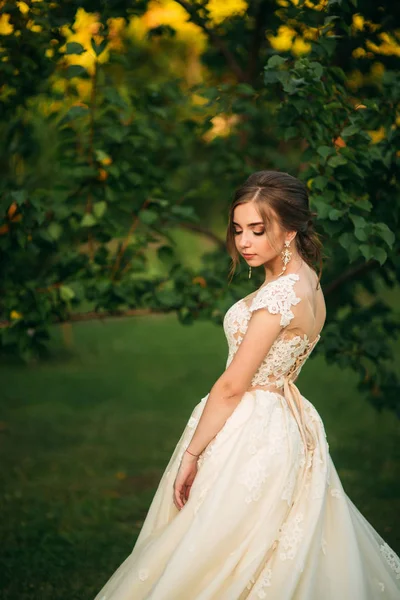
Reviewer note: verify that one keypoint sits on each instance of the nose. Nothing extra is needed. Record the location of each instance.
(244, 241)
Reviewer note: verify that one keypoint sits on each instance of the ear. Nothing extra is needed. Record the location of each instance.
(291, 235)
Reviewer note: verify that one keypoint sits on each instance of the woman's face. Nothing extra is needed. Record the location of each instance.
(251, 238)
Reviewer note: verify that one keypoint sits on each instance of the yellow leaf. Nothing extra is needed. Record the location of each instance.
(300, 46)
(31, 25)
(23, 7)
(283, 40)
(200, 280)
(377, 134)
(5, 26)
(358, 22)
(359, 53)
(219, 11)
(14, 314)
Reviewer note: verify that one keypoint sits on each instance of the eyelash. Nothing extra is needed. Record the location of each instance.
(238, 232)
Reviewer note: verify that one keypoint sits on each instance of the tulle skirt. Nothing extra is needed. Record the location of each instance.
(265, 519)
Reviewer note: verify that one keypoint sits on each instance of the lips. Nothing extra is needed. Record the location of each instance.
(248, 255)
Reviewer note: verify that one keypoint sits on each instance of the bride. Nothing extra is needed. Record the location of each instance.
(250, 504)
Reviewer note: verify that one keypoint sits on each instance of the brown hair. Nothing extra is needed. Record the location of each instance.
(287, 196)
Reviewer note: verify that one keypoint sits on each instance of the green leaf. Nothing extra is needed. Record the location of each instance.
(350, 130)
(332, 105)
(149, 217)
(74, 48)
(54, 230)
(290, 132)
(345, 240)
(340, 74)
(75, 112)
(325, 151)
(320, 183)
(366, 251)
(245, 89)
(88, 220)
(322, 207)
(66, 293)
(354, 252)
(114, 97)
(101, 155)
(364, 204)
(336, 161)
(361, 234)
(358, 221)
(380, 254)
(19, 196)
(385, 233)
(335, 214)
(169, 298)
(275, 61)
(76, 71)
(317, 68)
(98, 48)
(99, 209)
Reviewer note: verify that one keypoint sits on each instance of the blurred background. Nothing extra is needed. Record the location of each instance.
(125, 129)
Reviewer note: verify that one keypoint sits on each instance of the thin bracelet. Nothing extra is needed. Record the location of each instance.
(197, 455)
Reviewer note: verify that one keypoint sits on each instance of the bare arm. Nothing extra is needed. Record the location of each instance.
(229, 388)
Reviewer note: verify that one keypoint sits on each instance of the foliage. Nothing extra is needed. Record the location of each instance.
(120, 123)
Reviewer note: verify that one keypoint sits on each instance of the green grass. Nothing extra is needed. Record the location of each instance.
(86, 435)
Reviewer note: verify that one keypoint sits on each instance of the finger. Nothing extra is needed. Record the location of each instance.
(187, 492)
(178, 498)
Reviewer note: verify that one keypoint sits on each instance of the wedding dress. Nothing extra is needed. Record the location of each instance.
(267, 516)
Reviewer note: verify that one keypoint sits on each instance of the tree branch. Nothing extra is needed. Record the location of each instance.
(258, 38)
(370, 265)
(206, 232)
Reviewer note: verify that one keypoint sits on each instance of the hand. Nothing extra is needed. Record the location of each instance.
(184, 479)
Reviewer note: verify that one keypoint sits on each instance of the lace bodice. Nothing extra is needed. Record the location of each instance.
(290, 350)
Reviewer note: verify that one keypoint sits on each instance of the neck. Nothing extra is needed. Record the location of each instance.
(274, 267)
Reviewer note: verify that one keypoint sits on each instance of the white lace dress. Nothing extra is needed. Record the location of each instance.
(267, 516)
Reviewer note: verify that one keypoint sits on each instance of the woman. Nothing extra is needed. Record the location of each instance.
(250, 505)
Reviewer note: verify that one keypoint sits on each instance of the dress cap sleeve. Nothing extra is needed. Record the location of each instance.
(277, 297)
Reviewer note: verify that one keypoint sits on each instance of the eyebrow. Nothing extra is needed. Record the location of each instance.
(250, 224)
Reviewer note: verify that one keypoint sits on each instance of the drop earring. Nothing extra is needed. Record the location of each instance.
(286, 256)
(249, 272)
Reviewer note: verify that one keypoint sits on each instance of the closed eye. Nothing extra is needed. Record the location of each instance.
(255, 232)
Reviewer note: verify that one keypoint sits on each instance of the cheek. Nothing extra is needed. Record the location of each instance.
(264, 244)
(267, 247)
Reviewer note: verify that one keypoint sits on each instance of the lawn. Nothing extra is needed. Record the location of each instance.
(86, 435)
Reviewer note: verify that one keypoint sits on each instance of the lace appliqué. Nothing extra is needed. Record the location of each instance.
(280, 359)
(267, 437)
(263, 582)
(287, 354)
(290, 537)
(278, 297)
(391, 557)
(291, 480)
